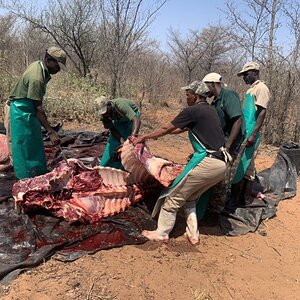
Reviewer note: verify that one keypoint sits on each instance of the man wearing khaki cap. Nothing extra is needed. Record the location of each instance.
(27, 115)
(254, 108)
(122, 118)
(190, 92)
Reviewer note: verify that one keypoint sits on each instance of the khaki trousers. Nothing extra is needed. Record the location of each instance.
(209, 172)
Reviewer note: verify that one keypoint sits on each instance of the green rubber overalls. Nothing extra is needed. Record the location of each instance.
(250, 116)
(198, 155)
(124, 127)
(28, 153)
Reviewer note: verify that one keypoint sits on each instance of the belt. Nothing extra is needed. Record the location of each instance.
(215, 156)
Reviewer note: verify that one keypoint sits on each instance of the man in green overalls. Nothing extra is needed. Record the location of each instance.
(205, 168)
(228, 105)
(27, 115)
(122, 117)
(254, 109)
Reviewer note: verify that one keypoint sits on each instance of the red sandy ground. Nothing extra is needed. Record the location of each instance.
(253, 266)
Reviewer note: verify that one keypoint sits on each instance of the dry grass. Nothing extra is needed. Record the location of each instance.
(201, 295)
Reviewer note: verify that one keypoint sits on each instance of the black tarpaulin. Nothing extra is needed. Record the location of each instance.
(276, 183)
(26, 241)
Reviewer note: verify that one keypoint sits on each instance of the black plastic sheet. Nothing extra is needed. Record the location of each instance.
(26, 241)
(6, 182)
(276, 183)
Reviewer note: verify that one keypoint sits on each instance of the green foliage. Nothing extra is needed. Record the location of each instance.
(71, 98)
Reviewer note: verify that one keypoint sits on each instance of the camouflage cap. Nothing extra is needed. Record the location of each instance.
(58, 54)
(212, 77)
(202, 89)
(247, 67)
(101, 104)
(192, 86)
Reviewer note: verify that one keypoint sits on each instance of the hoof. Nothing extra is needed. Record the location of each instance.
(153, 236)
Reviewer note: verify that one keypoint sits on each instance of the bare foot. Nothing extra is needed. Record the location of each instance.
(152, 236)
(193, 240)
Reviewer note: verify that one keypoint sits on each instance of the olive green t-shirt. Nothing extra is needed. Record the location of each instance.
(124, 110)
(32, 83)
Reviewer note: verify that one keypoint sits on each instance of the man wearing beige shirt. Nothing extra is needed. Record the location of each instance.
(254, 109)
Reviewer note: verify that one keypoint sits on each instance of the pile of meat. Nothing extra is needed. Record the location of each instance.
(76, 192)
(5, 163)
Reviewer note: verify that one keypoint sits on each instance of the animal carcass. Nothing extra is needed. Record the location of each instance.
(5, 163)
(78, 193)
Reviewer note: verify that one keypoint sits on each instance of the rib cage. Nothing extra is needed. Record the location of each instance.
(76, 192)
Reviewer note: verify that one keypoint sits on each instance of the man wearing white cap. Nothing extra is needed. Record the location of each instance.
(122, 117)
(228, 105)
(254, 108)
(26, 115)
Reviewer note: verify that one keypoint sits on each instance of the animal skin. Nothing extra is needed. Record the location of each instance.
(142, 164)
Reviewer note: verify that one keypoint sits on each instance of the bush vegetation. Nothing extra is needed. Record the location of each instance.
(110, 53)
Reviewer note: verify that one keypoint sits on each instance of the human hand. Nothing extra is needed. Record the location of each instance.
(227, 146)
(137, 139)
(250, 141)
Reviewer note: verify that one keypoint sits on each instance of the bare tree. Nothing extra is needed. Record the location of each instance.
(216, 44)
(124, 24)
(186, 53)
(71, 24)
(149, 73)
(33, 42)
(199, 52)
(292, 12)
(8, 53)
(255, 31)
(254, 28)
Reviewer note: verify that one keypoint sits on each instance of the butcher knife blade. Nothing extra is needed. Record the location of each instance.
(63, 155)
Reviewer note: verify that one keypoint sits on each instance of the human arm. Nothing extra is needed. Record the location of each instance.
(259, 122)
(178, 130)
(164, 130)
(117, 135)
(108, 124)
(176, 126)
(236, 127)
(40, 113)
(233, 111)
(136, 123)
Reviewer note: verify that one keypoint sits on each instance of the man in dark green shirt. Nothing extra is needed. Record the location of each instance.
(122, 117)
(27, 115)
(228, 106)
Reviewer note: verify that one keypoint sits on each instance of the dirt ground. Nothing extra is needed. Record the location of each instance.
(260, 265)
